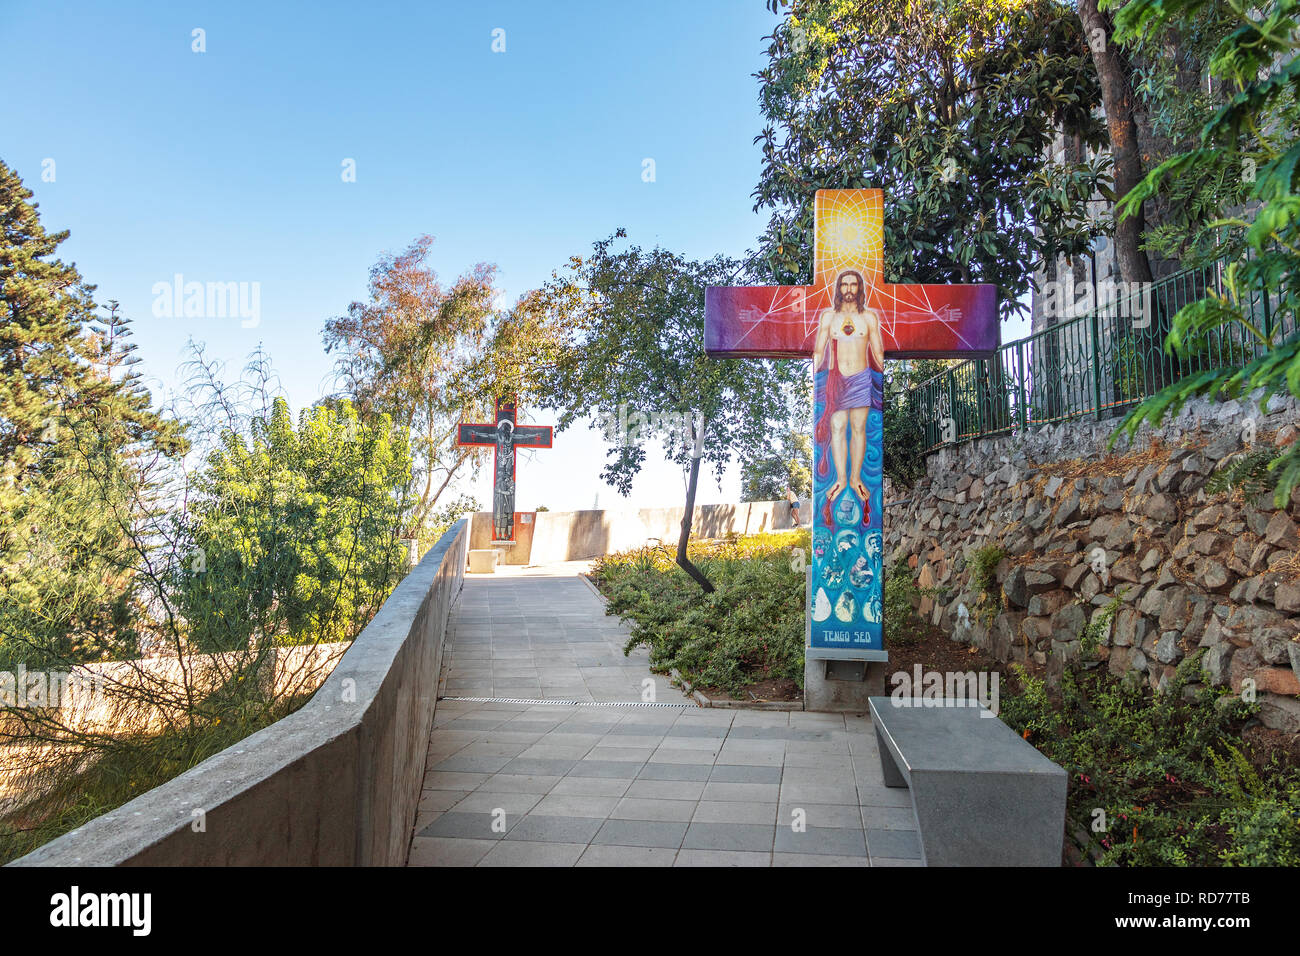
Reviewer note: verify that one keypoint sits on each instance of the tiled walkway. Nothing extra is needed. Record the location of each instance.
(542, 633)
(557, 785)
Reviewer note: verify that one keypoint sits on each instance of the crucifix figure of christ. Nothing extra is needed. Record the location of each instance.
(504, 436)
(849, 321)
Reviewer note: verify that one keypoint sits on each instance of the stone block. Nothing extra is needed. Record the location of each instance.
(483, 560)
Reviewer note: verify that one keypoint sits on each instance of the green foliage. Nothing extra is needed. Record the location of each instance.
(293, 532)
(429, 357)
(904, 445)
(1257, 131)
(1247, 472)
(631, 354)
(750, 629)
(904, 438)
(113, 776)
(950, 109)
(79, 441)
(447, 515)
(1166, 770)
(1169, 67)
(983, 565)
(769, 475)
(900, 595)
(1097, 628)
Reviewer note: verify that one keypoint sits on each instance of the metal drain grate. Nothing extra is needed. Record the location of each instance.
(569, 703)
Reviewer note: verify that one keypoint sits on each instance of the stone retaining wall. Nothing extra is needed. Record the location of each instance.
(335, 783)
(1195, 573)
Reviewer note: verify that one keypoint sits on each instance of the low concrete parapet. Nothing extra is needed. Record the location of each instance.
(336, 783)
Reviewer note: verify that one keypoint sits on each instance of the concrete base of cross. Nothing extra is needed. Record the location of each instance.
(842, 686)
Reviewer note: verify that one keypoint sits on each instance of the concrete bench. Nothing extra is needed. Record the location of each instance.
(982, 796)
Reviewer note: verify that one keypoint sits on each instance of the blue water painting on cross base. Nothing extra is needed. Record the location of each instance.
(848, 546)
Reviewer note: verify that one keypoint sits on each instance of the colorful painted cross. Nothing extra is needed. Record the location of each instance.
(505, 436)
(849, 322)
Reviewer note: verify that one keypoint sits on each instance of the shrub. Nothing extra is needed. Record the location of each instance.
(901, 594)
(983, 564)
(750, 629)
(1159, 779)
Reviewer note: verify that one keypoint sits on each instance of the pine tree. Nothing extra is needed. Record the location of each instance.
(77, 433)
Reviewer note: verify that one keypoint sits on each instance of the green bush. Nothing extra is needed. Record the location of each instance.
(1159, 779)
(293, 531)
(983, 564)
(750, 629)
(901, 593)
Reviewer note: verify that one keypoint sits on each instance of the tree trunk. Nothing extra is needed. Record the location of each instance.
(1115, 74)
(682, 561)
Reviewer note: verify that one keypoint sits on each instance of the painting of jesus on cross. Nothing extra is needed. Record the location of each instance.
(850, 352)
(849, 321)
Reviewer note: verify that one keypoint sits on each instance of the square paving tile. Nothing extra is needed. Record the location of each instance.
(487, 801)
(704, 758)
(821, 814)
(575, 805)
(820, 860)
(717, 811)
(831, 841)
(454, 780)
(473, 826)
(438, 800)
(749, 792)
(544, 829)
(470, 764)
(729, 836)
(741, 773)
(882, 796)
(525, 853)
(894, 844)
(628, 856)
(626, 769)
(543, 766)
(667, 789)
(888, 818)
(641, 833)
(815, 793)
(521, 782)
(447, 851)
(647, 808)
(593, 786)
(722, 858)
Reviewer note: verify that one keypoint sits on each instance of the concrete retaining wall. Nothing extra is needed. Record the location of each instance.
(336, 783)
(577, 535)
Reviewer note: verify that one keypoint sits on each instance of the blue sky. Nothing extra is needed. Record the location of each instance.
(225, 165)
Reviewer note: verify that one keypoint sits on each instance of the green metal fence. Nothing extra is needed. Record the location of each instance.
(1097, 364)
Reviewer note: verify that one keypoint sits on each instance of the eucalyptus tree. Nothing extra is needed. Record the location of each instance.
(409, 352)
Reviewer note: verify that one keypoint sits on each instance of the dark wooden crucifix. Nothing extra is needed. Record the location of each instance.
(504, 436)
